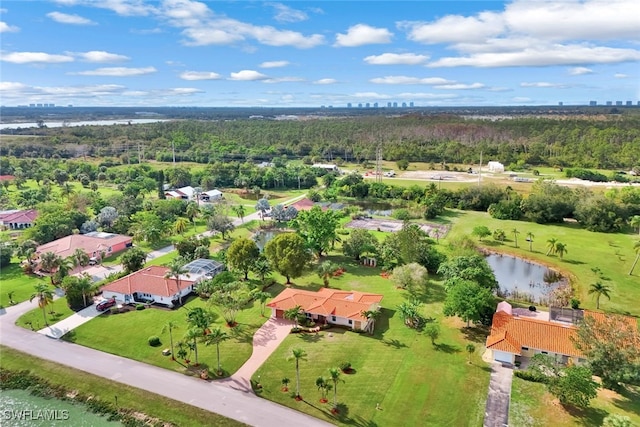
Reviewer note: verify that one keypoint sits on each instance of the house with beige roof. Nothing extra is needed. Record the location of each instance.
(331, 306)
(93, 244)
(18, 219)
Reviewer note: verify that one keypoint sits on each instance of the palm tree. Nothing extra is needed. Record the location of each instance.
(334, 373)
(176, 269)
(180, 226)
(560, 249)
(45, 297)
(262, 268)
(216, 336)
(551, 245)
(293, 314)
(515, 235)
(635, 222)
(65, 265)
(298, 354)
(324, 386)
(66, 190)
(636, 248)
(80, 258)
(325, 270)
(85, 286)
(530, 237)
(192, 336)
(170, 326)
(261, 296)
(49, 262)
(240, 211)
(599, 289)
(371, 319)
(470, 350)
(192, 212)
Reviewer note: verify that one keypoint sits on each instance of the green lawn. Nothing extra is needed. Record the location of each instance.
(34, 319)
(397, 367)
(533, 406)
(13, 279)
(113, 333)
(130, 398)
(612, 253)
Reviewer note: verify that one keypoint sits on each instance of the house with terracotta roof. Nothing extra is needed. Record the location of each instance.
(515, 334)
(18, 219)
(331, 306)
(93, 244)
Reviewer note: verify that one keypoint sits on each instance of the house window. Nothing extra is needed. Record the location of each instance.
(109, 250)
(545, 352)
(350, 322)
(333, 318)
(525, 348)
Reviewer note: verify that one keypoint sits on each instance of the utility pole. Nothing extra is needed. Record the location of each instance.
(379, 163)
(480, 171)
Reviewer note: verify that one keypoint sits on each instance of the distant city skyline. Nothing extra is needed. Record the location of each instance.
(310, 54)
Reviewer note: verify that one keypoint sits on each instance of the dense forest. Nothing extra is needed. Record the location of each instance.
(604, 141)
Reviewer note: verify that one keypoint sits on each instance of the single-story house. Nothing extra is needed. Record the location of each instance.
(495, 167)
(513, 335)
(331, 306)
(18, 219)
(210, 195)
(303, 204)
(149, 285)
(93, 244)
(184, 193)
(326, 166)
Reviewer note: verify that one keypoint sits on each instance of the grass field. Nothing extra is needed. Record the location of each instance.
(128, 397)
(533, 406)
(13, 279)
(398, 368)
(35, 320)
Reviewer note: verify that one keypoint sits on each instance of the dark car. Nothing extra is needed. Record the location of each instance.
(105, 304)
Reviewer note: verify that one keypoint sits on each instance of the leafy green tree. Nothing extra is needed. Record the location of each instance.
(230, 298)
(599, 289)
(287, 254)
(44, 295)
(574, 386)
(293, 314)
(298, 354)
(324, 386)
(634, 221)
(263, 206)
(409, 310)
(176, 270)
(325, 271)
(410, 276)
(80, 258)
(481, 231)
(360, 242)
(216, 336)
(468, 267)
(170, 326)
(317, 228)
(499, 235)
(240, 211)
(371, 316)
(192, 212)
(616, 420)
(180, 225)
(133, 259)
(432, 330)
(403, 164)
(221, 224)
(468, 300)
(242, 255)
(148, 226)
(262, 268)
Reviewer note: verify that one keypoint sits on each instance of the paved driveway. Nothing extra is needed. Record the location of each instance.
(497, 409)
(62, 327)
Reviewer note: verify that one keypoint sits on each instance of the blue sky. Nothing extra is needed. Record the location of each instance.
(303, 53)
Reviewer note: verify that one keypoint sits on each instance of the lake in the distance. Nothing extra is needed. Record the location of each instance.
(59, 124)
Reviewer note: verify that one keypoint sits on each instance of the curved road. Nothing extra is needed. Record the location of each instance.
(242, 406)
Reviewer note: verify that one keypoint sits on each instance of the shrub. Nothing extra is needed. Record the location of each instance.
(533, 376)
(345, 366)
(139, 306)
(114, 310)
(154, 341)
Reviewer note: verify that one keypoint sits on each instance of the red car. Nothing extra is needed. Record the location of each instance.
(105, 304)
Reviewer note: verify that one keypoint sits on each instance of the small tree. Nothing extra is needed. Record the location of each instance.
(45, 297)
(574, 386)
(285, 383)
(470, 350)
(481, 231)
(325, 271)
(216, 336)
(170, 326)
(334, 373)
(515, 236)
(262, 297)
(530, 237)
(293, 314)
(410, 276)
(176, 270)
(432, 330)
(298, 354)
(324, 386)
(636, 248)
(133, 260)
(242, 255)
(599, 289)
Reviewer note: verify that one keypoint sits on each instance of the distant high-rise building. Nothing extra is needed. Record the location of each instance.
(404, 105)
(593, 103)
(395, 105)
(618, 103)
(367, 105)
(39, 105)
(629, 103)
(609, 103)
(375, 105)
(388, 105)
(32, 105)
(560, 103)
(411, 104)
(360, 105)
(70, 105)
(349, 105)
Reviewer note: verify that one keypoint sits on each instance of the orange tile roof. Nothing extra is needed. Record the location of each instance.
(327, 302)
(509, 333)
(149, 280)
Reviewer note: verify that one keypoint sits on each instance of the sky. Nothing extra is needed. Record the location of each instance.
(314, 53)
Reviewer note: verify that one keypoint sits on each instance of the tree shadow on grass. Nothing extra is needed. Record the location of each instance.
(382, 322)
(311, 337)
(589, 417)
(629, 403)
(446, 348)
(241, 334)
(394, 343)
(475, 334)
(573, 261)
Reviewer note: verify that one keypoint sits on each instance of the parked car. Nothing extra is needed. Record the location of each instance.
(105, 304)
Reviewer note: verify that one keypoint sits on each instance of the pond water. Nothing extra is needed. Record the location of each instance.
(374, 208)
(20, 408)
(59, 124)
(262, 237)
(521, 279)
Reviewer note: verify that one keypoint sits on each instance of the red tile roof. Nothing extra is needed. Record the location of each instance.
(24, 216)
(149, 280)
(7, 177)
(327, 302)
(65, 246)
(303, 205)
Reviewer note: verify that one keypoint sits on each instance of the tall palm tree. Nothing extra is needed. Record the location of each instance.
(515, 235)
(530, 237)
(85, 286)
(240, 211)
(599, 289)
(325, 270)
(262, 268)
(635, 222)
(560, 249)
(45, 297)
(192, 212)
(636, 248)
(298, 354)
(551, 245)
(334, 373)
(49, 262)
(261, 296)
(216, 336)
(192, 336)
(176, 269)
(181, 225)
(293, 314)
(170, 326)
(371, 316)
(80, 258)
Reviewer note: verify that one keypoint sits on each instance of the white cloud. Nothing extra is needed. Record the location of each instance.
(184, 91)
(405, 80)
(287, 14)
(522, 99)
(620, 76)
(454, 28)
(34, 57)
(362, 34)
(283, 79)
(396, 58)
(539, 56)
(6, 28)
(460, 86)
(544, 85)
(248, 75)
(578, 71)
(64, 18)
(200, 75)
(117, 72)
(203, 36)
(325, 82)
(100, 56)
(11, 86)
(274, 64)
